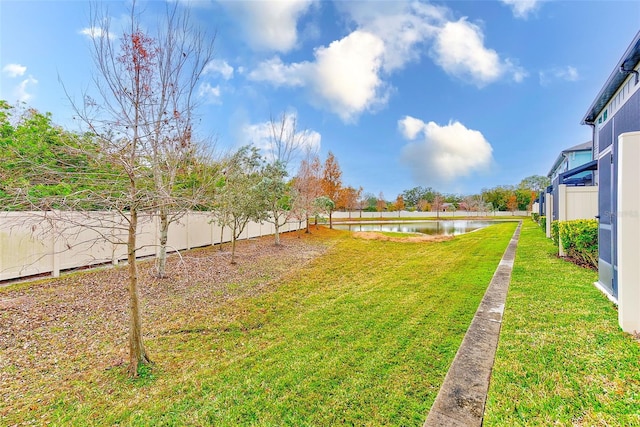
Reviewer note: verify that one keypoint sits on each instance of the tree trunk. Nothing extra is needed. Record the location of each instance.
(331, 219)
(162, 254)
(233, 245)
(277, 233)
(221, 237)
(137, 353)
(308, 230)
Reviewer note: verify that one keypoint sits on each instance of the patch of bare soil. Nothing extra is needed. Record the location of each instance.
(578, 262)
(54, 331)
(374, 235)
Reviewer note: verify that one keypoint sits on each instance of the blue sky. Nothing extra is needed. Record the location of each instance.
(456, 95)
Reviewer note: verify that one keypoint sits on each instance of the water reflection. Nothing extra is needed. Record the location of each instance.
(434, 228)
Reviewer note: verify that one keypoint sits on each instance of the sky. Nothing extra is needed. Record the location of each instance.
(453, 95)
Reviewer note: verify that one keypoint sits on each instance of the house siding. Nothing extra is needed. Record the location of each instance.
(626, 118)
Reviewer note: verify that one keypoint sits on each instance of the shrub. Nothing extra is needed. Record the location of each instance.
(543, 223)
(555, 227)
(580, 240)
(535, 216)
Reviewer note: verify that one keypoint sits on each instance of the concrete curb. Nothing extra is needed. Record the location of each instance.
(461, 399)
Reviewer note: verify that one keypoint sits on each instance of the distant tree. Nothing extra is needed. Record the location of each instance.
(370, 202)
(399, 204)
(497, 197)
(423, 205)
(512, 203)
(535, 183)
(331, 181)
(381, 203)
(524, 197)
(361, 202)
(413, 196)
(348, 199)
(438, 202)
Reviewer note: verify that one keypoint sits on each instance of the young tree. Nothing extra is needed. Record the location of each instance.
(306, 186)
(331, 182)
(239, 198)
(285, 142)
(399, 204)
(324, 205)
(276, 195)
(143, 119)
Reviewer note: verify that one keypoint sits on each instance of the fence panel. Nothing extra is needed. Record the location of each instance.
(33, 243)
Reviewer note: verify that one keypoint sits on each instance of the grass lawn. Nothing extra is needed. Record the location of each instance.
(562, 359)
(361, 335)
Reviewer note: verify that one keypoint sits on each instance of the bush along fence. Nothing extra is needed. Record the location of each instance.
(577, 239)
(36, 243)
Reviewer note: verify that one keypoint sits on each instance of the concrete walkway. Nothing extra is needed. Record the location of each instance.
(461, 399)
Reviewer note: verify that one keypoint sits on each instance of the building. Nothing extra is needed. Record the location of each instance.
(572, 193)
(571, 158)
(614, 112)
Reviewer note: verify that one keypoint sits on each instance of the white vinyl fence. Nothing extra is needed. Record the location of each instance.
(33, 243)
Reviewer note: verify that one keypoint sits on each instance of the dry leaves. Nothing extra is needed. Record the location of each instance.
(54, 331)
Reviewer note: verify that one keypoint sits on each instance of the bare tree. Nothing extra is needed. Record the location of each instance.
(142, 116)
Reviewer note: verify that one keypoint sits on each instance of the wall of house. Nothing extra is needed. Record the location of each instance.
(33, 243)
(622, 114)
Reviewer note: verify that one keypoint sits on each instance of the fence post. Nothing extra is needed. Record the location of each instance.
(562, 213)
(55, 246)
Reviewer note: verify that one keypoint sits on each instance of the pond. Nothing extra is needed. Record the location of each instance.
(434, 228)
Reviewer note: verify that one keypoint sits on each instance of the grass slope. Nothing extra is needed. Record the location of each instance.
(562, 359)
(363, 335)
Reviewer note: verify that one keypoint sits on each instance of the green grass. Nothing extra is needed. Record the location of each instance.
(562, 359)
(363, 335)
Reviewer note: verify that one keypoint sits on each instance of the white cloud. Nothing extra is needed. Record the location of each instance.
(344, 76)
(459, 49)
(441, 154)
(96, 32)
(347, 74)
(351, 75)
(14, 70)
(522, 8)
(269, 25)
(218, 66)
(21, 92)
(261, 135)
(568, 73)
(402, 26)
(278, 73)
(211, 94)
